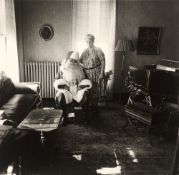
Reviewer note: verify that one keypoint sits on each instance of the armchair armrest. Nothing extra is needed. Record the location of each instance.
(85, 83)
(27, 88)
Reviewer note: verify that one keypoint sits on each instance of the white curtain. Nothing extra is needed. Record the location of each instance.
(8, 42)
(97, 17)
(3, 62)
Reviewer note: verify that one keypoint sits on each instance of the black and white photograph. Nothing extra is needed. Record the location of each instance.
(89, 87)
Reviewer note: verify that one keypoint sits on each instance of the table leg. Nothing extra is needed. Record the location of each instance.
(42, 137)
(176, 158)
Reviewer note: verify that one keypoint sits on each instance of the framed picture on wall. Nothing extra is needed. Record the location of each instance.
(149, 39)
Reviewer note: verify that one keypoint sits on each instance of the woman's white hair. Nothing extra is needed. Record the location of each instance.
(90, 36)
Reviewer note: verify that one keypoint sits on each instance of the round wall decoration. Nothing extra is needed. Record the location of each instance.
(46, 32)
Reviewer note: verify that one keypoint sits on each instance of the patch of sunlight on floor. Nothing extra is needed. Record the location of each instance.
(132, 155)
(78, 157)
(135, 160)
(110, 171)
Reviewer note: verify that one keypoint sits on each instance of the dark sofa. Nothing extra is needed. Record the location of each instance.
(16, 100)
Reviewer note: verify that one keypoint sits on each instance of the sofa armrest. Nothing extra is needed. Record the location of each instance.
(27, 88)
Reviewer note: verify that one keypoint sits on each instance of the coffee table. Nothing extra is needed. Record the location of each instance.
(42, 120)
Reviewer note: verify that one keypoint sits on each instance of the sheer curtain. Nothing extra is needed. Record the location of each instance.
(8, 42)
(3, 65)
(3, 62)
(97, 17)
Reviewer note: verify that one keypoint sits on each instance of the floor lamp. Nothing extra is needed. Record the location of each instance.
(123, 46)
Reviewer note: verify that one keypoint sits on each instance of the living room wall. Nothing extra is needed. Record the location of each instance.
(36, 13)
(129, 16)
(134, 13)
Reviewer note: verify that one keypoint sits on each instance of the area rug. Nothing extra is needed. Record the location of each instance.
(102, 145)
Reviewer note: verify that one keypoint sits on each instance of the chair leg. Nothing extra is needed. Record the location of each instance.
(61, 104)
(175, 158)
(129, 122)
(86, 113)
(126, 124)
(86, 107)
(137, 125)
(56, 103)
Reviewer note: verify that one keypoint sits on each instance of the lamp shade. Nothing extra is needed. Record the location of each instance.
(124, 45)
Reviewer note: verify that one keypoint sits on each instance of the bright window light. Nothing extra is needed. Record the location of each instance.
(3, 65)
(8, 42)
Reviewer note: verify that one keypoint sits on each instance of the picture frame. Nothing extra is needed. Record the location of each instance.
(149, 39)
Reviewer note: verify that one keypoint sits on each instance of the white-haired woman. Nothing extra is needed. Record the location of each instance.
(93, 62)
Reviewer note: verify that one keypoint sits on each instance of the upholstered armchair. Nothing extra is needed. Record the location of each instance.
(73, 99)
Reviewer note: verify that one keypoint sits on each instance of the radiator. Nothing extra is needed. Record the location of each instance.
(43, 72)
